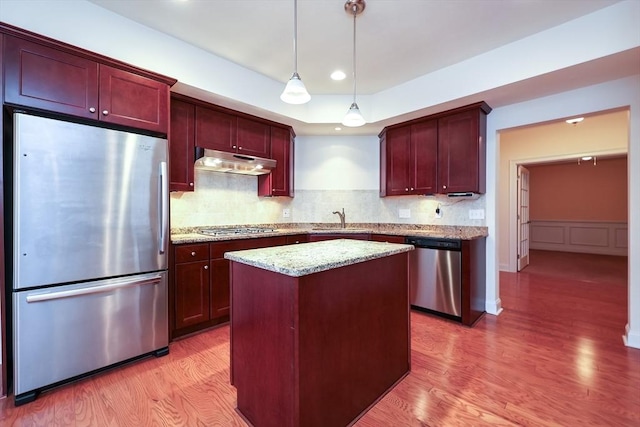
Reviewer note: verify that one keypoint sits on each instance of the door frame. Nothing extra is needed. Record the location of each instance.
(513, 193)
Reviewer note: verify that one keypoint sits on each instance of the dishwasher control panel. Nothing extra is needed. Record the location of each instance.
(434, 243)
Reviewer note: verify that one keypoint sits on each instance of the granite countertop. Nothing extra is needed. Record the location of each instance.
(307, 258)
(191, 235)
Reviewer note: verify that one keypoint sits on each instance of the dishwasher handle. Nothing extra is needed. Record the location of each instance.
(435, 243)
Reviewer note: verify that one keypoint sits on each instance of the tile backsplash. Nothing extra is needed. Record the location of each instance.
(228, 199)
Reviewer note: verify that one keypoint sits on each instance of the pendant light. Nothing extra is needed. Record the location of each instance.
(354, 117)
(295, 92)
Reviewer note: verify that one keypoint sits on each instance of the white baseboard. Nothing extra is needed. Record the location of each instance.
(631, 338)
(494, 307)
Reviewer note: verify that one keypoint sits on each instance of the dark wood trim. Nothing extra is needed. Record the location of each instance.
(38, 38)
(483, 106)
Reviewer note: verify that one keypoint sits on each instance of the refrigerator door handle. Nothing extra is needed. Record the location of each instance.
(92, 290)
(164, 206)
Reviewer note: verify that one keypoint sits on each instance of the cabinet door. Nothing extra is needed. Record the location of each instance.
(215, 130)
(253, 138)
(397, 164)
(131, 100)
(424, 157)
(181, 146)
(280, 181)
(48, 79)
(192, 293)
(220, 288)
(459, 152)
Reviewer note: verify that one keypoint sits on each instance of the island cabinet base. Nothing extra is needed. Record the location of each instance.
(320, 349)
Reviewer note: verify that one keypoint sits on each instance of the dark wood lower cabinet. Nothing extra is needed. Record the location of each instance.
(192, 296)
(200, 290)
(220, 288)
(318, 350)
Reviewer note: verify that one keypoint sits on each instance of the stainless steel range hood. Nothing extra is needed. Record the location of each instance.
(219, 161)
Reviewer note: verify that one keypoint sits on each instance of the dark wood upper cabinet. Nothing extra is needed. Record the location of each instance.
(280, 181)
(50, 76)
(48, 79)
(253, 138)
(395, 156)
(128, 99)
(462, 152)
(215, 130)
(181, 146)
(424, 156)
(409, 156)
(218, 130)
(442, 153)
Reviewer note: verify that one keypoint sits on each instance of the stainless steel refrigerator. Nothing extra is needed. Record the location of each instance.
(90, 239)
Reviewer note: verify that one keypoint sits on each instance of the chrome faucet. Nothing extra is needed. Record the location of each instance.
(341, 215)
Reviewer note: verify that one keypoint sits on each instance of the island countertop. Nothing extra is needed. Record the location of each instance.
(308, 258)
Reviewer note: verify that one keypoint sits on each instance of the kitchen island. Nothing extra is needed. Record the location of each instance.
(319, 331)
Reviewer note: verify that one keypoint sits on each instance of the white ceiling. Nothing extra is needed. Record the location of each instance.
(397, 41)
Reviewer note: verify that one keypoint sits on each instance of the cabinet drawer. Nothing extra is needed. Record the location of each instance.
(188, 253)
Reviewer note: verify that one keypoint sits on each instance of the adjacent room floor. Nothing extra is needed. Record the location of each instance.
(555, 356)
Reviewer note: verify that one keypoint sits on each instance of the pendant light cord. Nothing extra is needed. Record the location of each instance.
(355, 13)
(295, 36)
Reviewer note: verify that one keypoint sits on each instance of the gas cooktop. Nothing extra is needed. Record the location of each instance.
(241, 230)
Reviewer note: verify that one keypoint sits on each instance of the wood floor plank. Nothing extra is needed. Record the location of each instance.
(554, 357)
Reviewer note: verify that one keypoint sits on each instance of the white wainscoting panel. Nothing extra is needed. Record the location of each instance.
(594, 237)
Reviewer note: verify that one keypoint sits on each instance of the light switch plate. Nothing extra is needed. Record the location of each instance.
(476, 213)
(404, 213)
(286, 213)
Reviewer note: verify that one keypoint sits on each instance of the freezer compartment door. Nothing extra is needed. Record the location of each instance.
(89, 202)
(435, 280)
(65, 331)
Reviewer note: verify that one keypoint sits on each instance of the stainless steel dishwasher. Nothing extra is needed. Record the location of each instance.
(435, 283)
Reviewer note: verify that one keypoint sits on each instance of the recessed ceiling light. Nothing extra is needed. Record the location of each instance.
(338, 128)
(338, 75)
(574, 121)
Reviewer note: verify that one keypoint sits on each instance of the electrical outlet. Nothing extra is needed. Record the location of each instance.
(404, 213)
(286, 213)
(439, 211)
(476, 213)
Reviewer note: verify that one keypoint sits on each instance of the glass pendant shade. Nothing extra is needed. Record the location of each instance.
(295, 92)
(354, 117)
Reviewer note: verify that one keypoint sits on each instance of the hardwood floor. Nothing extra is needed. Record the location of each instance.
(554, 357)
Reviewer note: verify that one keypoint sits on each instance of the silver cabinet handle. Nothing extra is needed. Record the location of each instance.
(206, 267)
(191, 184)
(406, 189)
(411, 188)
(239, 148)
(92, 290)
(92, 110)
(193, 254)
(444, 187)
(105, 112)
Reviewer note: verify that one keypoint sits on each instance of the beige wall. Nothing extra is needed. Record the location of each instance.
(579, 192)
(597, 134)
